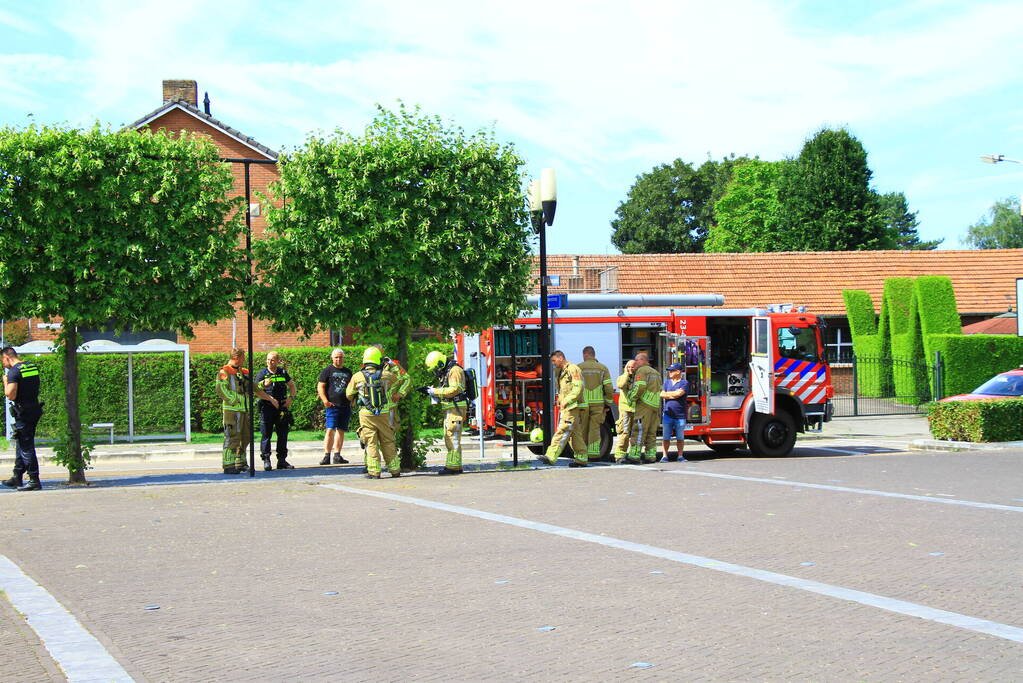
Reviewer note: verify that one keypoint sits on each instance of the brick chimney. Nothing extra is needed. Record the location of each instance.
(181, 91)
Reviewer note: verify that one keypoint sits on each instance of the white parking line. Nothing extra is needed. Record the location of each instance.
(992, 628)
(75, 650)
(829, 487)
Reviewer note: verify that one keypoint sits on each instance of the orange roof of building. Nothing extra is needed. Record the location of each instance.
(1000, 324)
(984, 279)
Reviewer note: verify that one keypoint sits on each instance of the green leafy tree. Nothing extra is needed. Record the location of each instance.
(902, 223)
(670, 209)
(1001, 228)
(826, 200)
(748, 211)
(411, 225)
(98, 226)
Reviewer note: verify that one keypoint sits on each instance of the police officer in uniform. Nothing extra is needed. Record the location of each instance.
(449, 390)
(275, 380)
(570, 396)
(21, 386)
(376, 390)
(597, 397)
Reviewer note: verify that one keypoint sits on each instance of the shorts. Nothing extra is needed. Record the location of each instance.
(673, 426)
(338, 417)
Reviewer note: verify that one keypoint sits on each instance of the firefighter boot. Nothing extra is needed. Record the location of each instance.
(31, 485)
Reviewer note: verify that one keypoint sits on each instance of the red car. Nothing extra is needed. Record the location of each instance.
(1004, 385)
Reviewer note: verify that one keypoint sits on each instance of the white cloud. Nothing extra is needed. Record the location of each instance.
(607, 88)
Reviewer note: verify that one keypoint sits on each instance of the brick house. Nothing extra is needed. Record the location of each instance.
(180, 112)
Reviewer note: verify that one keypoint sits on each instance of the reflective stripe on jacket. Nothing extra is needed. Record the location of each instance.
(596, 383)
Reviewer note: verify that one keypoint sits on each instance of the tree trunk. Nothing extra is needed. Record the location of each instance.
(74, 424)
(408, 458)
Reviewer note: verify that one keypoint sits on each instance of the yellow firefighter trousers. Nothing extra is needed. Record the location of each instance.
(626, 420)
(593, 417)
(237, 437)
(454, 418)
(568, 433)
(377, 431)
(644, 437)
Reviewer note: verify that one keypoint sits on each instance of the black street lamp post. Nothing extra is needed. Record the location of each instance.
(543, 201)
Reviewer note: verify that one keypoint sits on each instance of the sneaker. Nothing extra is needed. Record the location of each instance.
(338, 460)
(326, 459)
(444, 470)
(30, 485)
(267, 467)
(284, 465)
(12, 483)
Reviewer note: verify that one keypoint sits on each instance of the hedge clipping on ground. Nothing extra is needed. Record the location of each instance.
(977, 420)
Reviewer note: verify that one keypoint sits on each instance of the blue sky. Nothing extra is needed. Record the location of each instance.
(600, 90)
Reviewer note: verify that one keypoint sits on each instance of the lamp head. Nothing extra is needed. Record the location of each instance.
(535, 205)
(548, 194)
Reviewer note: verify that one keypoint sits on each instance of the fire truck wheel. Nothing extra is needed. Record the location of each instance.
(772, 436)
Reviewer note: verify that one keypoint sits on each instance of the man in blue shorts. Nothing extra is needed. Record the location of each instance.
(673, 414)
(330, 387)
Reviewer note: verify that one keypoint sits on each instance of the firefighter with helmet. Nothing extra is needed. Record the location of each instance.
(449, 390)
(376, 389)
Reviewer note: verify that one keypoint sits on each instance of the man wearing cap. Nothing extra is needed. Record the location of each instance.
(673, 415)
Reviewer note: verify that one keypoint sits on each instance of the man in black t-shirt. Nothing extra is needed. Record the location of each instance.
(275, 380)
(21, 386)
(330, 388)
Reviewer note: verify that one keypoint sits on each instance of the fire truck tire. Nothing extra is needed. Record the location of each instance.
(772, 436)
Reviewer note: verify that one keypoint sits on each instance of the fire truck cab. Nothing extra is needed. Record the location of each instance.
(757, 376)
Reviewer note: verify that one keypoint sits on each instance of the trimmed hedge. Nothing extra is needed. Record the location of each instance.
(971, 360)
(977, 420)
(159, 390)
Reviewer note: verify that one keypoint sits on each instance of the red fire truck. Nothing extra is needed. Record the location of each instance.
(757, 376)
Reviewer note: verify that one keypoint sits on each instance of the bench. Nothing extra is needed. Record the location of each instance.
(104, 425)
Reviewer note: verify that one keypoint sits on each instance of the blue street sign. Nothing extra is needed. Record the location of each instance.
(557, 301)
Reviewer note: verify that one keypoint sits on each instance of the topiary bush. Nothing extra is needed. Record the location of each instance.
(1000, 420)
(970, 360)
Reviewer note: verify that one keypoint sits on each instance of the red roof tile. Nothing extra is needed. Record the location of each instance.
(984, 279)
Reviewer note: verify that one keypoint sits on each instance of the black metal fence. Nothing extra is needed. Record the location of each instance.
(866, 385)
